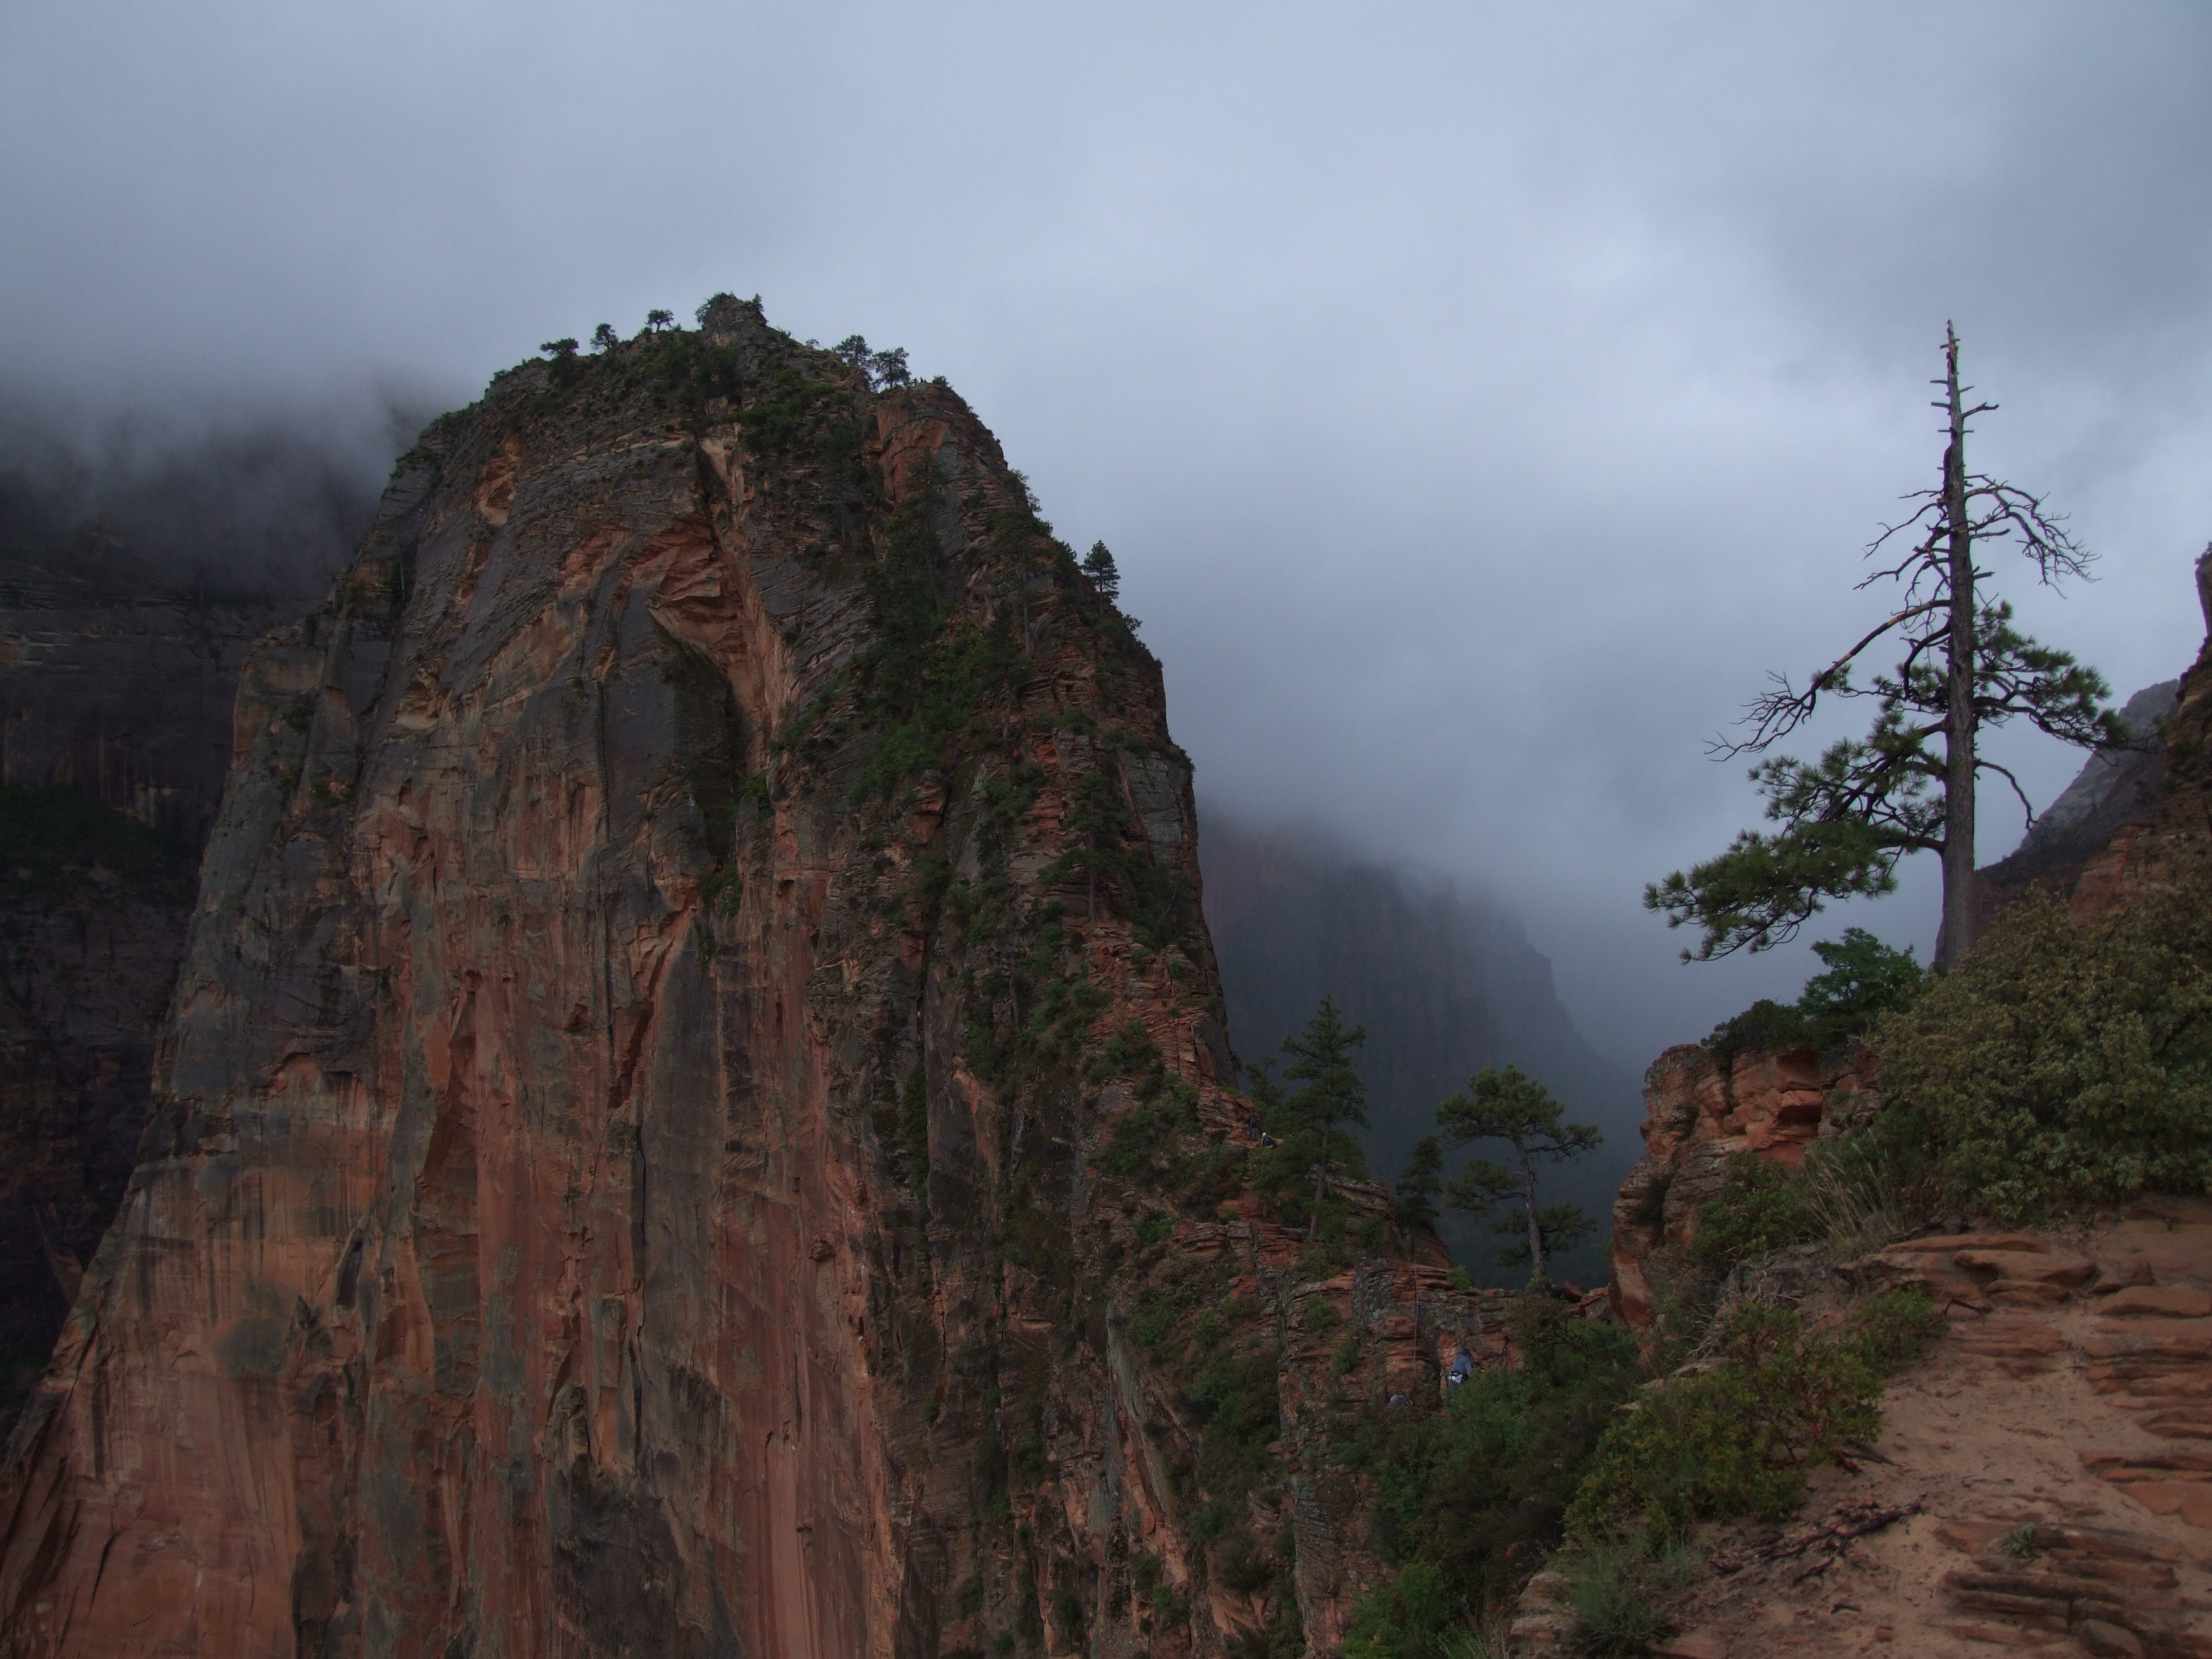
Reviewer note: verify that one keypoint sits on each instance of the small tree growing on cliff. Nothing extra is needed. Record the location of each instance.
(883, 369)
(1847, 817)
(1421, 1184)
(1502, 1104)
(660, 322)
(1098, 565)
(1321, 1058)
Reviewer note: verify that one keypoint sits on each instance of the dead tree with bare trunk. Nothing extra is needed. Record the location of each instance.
(1845, 819)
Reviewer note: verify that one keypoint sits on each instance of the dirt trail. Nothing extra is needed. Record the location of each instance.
(2049, 1465)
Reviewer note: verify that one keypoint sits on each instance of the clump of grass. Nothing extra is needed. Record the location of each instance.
(1850, 1195)
(1868, 1189)
(1620, 1595)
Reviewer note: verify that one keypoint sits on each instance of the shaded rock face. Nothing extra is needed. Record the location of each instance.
(693, 1120)
(85, 974)
(2175, 833)
(1700, 1111)
(2113, 788)
(116, 679)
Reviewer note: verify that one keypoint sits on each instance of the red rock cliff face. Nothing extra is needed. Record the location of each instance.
(1700, 1112)
(693, 1122)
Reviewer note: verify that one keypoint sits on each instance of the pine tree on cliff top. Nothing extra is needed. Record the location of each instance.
(1847, 818)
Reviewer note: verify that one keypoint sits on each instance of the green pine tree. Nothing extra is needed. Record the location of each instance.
(1421, 1184)
(1502, 1104)
(1321, 1058)
(1845, 819)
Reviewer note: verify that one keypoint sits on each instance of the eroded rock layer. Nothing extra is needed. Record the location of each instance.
(694, 1120)
(1701, 1109)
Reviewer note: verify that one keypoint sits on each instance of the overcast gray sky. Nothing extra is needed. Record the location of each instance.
(1479, 399)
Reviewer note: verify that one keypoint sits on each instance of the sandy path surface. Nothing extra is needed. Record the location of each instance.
(2049, 1465)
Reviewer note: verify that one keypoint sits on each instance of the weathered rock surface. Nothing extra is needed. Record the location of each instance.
(2113, 788)
(2174, 832)
(2042, 1482)
(1700, 1111)
(694, 1121)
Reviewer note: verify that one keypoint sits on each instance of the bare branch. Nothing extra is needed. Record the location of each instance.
(1982, 765)
(1777, 714)
(2042, 534)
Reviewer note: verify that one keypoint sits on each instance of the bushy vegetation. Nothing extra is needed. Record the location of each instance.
(1779, 1398)
(53, 839)
(2062, 1068)
(1618, 1595)
(1862, 980)
(1850, 1195)
(1469, 1498)
(1761, 1208)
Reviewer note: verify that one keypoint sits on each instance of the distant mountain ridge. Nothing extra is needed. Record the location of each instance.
(1445, 980)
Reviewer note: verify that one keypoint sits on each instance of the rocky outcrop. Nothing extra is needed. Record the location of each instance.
(1700, 1111)
(694, 1119)
(2175, 834)
(2038, 1483)
(2113, 788)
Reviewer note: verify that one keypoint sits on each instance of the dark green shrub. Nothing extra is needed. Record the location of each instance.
(1761, 1207)
(2062, 1068)
(1406, 1618)
(1765, 1025)
(1780, 1399)
(1236, 1400)
(1154, 1322)
(1891, 1331)
(1469, 1498)
(1863, 980)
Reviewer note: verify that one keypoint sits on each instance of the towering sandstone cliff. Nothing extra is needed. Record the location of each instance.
(694, 1121)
